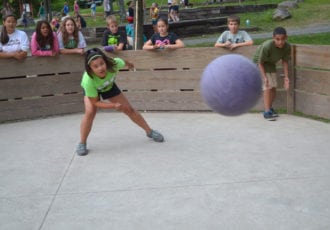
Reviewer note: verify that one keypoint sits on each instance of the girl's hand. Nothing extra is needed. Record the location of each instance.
(20, 55)
(81, 51)
(157, 47)
(130, 65)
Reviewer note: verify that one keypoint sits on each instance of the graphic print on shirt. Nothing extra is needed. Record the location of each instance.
(164, 42)
(113, 39)
(71, 44)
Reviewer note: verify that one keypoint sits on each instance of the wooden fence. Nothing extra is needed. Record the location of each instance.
(164, 80)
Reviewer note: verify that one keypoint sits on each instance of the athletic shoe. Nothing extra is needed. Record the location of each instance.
(81, 149)
(275, 114)
(269, 116)
(156, 136)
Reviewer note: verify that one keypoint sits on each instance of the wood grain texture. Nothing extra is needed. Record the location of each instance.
(163, 80)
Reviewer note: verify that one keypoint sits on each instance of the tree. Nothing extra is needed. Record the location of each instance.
(138, 23)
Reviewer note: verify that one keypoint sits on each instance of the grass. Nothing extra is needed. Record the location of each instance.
(309, 12)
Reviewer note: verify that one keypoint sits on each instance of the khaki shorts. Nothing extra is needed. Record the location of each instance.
(272, 81)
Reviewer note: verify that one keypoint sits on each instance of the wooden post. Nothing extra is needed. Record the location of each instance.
(48, 10)
(292, 78)
(138, 24)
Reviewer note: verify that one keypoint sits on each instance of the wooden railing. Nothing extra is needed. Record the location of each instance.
(164, 80)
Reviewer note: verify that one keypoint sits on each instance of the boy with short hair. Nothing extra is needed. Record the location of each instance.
(266, 56)
(233, 37)
(112, 37)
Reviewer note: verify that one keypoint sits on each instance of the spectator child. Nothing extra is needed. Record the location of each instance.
(41, 12)
(130, 12)
(130, 32)
(75, 7)
(101, 91)
(154, 14)
(163, 39)
(233, 37)
(13, 43)
(44, 41)
(106, 8)
(174, 11)
(55, 23)
(80, 21)
(70, 39)
(7, 10)
(266, 56)
(93, 10)
(65, 9)
(112, 36)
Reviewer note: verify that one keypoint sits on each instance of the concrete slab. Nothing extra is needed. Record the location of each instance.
(213, 172)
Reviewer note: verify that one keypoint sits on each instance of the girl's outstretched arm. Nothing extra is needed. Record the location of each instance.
(178, 44)
(148, 45)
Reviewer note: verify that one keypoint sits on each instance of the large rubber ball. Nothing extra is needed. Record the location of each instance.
(231, 84)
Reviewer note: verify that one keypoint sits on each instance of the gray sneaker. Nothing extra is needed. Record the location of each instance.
(156, 136)
(81, 149)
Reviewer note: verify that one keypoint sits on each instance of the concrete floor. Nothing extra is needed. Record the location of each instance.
(213, 172)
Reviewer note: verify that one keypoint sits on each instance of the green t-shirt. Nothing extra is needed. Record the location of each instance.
(268, 54)
(93, 85)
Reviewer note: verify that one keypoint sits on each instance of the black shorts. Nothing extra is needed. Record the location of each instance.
(114, 91)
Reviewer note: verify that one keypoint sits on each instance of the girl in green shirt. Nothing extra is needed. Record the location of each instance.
(101, 91)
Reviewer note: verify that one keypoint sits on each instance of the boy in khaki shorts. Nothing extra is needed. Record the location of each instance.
(266, 56)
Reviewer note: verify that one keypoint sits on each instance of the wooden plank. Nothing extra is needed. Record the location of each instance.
(159, 80)
(40, 86)
(312, 56)
(313, 104)
(279, 103)
(313, 81)
(41, 65)
(167, 101)
(185, 58)
(292, 76)
(40, 107)
(185, 101)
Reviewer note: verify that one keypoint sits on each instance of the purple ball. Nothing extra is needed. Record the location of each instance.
(231, 84)
(109, 48)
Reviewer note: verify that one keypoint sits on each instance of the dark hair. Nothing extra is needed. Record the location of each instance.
(41, 40)
(4, 35)
(163, 20)
(279, 31)
(92, 54)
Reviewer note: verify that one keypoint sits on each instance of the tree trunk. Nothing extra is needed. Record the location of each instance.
(138, 24)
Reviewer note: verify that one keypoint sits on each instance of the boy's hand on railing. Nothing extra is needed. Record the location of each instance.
(109, 48)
